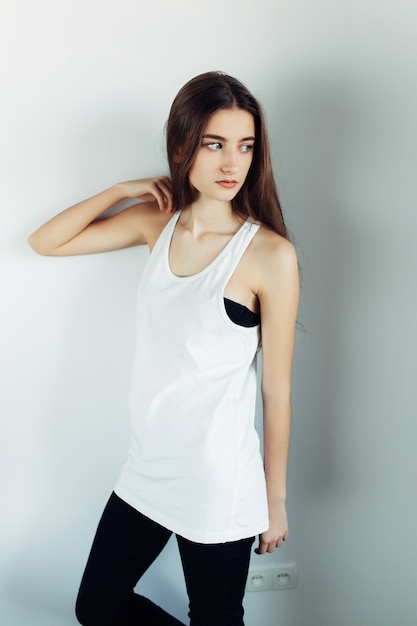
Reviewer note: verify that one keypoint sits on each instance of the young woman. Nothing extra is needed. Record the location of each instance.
(222, 277)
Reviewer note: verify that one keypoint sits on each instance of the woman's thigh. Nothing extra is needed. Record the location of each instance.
(215, 575)
(125, 545)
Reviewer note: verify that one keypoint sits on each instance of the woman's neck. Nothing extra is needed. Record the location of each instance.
(210, 216)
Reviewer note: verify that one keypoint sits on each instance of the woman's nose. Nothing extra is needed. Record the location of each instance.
(230, 163)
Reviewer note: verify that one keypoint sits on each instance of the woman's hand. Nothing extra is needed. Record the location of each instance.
(157, 189)
(277, 532)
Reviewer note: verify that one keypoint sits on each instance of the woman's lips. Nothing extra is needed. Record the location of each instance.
(227, 184)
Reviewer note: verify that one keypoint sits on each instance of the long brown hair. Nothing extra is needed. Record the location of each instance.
(194, 104)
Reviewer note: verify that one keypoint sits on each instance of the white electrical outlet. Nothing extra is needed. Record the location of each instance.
(259, 580)
(284, 576)
(268, 577)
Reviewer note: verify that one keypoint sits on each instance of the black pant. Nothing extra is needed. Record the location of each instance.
(127, 543)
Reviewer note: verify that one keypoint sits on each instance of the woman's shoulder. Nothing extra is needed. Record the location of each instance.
(275, 266)
(150, 219)
(271, 249)
(269, 260)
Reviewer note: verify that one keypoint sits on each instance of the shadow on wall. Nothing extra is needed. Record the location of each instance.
(314, 126)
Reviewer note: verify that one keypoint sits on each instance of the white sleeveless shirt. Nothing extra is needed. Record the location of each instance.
(194, 465)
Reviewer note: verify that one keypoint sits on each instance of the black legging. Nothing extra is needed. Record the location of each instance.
(127, 543)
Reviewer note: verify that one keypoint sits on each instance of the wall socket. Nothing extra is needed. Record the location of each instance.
(269, 577)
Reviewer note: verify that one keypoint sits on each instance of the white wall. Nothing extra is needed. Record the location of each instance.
(86, 87)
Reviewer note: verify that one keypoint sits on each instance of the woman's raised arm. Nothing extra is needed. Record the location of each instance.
(78, 230)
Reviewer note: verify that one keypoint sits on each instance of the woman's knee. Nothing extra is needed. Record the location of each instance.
(85, 613)
(91, 610)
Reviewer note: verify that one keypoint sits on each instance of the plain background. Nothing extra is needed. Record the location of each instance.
(86, 88)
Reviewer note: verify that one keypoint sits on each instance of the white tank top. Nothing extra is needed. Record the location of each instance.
(194, 464)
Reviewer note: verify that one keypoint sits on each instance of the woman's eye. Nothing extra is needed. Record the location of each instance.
(247, 147)
(215, 145)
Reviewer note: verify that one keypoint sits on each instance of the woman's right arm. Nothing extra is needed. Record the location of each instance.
(78, 230)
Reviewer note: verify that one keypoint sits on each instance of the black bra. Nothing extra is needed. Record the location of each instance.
(241, 315)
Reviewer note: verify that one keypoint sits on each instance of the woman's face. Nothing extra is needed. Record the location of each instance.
(225, 155)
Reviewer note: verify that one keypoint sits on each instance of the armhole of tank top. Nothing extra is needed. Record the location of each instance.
(228, 315)
(166, 233)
